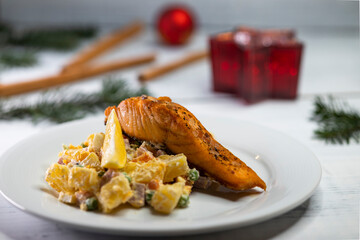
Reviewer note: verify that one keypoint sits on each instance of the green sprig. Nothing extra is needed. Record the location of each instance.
(56, 39)
(18, 50)
(337, 122)
(17, 58)
(62, 106)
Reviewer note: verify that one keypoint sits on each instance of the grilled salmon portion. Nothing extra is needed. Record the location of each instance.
(159, 120)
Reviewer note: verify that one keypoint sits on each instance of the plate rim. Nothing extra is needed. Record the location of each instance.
(167, 232)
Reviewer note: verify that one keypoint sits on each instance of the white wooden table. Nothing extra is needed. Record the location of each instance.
(330, 65)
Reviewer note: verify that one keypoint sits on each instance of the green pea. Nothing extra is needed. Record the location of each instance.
(92, 204)
(183, 201)
(193, 175)
(83, 145)
(101, 173)
(149, 195)
(65, 147)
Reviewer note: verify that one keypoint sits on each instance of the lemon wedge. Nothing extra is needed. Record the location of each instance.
(113, 149)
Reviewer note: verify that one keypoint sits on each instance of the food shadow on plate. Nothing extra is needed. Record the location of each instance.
(217, 190)
(264, 230)
(49, 191)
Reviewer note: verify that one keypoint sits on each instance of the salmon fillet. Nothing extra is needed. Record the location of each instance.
(159, 120)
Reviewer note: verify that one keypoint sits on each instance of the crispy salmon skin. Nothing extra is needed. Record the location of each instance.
(160, 120)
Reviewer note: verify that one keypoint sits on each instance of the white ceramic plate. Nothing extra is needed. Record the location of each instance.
(290, 170)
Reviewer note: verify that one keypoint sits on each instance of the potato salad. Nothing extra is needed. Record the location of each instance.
(109, 169)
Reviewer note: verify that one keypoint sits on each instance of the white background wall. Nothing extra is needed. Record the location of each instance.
(291, 13)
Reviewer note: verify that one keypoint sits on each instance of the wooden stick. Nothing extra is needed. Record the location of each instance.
(72, 76)
(104, 44)
(156, 71)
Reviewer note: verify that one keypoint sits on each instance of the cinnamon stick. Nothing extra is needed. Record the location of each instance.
(72, 76)
(104, 44)
(156, 71)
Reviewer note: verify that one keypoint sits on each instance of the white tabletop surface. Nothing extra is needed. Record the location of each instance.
(330, 65)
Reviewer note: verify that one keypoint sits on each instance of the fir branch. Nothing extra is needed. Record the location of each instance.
(337, 122)
(57, 39)
(4, 28)
(59, 106)
(5, 32)
(17, 58)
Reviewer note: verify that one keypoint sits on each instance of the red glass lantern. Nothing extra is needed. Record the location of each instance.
(256, 64)
(284, 64)
(225, 62)
(253, 81)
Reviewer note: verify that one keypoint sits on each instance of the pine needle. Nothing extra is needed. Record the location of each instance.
(56, 39)
(18, 50)
(5, 32)
(337, 122)
(61, 106)
(17, 58)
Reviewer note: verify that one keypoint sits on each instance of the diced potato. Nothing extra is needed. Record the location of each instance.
(187, 188)
(143, 158)
(89, 139)
(180, 179)
(67, 197)
(130, 167)
(91, 161)
(96, 142)
(74, 147)
(175, 166)
(81, 155)
(84, 179)
(164, 157)
(83, 206)
(76, 154)
(145, 172)
(114, 193)
(57, 177)
(166, 197)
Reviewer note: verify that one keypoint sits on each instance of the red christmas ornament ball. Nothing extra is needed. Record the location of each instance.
(175, 25)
